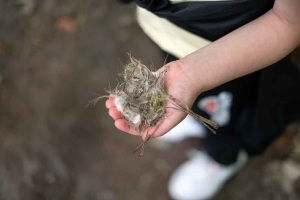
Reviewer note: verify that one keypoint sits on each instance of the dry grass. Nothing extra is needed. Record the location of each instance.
(141, 97)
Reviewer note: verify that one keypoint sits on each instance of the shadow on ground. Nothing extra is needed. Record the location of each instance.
(53, 56)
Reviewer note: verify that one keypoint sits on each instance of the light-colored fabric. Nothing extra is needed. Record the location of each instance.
(168, 36)
(187, 128)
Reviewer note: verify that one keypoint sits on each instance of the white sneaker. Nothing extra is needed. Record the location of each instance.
(189, 127)
(201, 177)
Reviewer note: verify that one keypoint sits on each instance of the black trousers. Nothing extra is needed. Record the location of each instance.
(251, 111)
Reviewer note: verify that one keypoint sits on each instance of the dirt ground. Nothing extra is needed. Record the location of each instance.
(54, 57)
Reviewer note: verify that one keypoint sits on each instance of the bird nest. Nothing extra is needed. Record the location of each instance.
(141, 97)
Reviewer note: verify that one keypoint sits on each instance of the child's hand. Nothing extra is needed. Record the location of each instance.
(179, 85)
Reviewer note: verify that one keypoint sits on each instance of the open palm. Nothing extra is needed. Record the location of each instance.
(179, 85)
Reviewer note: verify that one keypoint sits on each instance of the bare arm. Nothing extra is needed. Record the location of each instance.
(252, 47)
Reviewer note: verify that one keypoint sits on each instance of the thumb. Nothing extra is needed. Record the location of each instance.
(171, 119)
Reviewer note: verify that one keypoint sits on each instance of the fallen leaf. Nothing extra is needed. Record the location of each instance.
(66, 24)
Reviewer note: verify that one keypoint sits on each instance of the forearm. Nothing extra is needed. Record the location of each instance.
(252, 47)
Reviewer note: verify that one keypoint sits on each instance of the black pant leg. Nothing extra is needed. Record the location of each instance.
(240, 98)
(241, 95)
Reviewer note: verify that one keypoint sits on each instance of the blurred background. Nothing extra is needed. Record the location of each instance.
(54, 57)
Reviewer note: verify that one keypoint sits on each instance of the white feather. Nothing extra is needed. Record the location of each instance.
(136, 119)
(119, 102)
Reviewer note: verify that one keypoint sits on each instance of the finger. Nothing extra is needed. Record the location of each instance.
(114, 113)
(160, 128)
(123, 125)
(109, 102)
(173, 117)
(148, 132)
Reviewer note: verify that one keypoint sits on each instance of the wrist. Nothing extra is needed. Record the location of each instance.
(189, 78)
(194, 72)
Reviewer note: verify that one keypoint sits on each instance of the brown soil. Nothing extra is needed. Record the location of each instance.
(53, 56)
